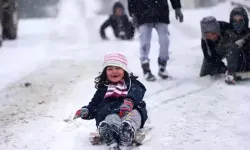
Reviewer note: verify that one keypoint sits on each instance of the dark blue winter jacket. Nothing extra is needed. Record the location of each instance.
(100, 107)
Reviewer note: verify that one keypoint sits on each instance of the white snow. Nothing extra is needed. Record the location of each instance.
(61, 57)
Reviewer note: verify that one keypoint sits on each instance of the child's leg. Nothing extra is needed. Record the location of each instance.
(130, 124)
(108, 129)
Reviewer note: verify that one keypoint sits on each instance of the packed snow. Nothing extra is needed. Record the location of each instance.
(60, 59)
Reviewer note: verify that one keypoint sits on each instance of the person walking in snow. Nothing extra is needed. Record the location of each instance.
(235, 45)
(212, 31)
(117, 106)
(151, 14)
(122, 27)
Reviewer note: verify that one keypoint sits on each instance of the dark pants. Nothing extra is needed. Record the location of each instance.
(212, 67)
(238, 60)
(127, 33)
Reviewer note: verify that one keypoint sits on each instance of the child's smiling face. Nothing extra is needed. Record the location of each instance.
(114, 74)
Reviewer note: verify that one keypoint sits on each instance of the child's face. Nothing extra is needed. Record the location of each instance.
(212, 36)
(118, 11)
(114, 74)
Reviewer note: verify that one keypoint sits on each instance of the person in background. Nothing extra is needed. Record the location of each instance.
(151, 14)
(235, 45)
(212, 31)
(118, 20)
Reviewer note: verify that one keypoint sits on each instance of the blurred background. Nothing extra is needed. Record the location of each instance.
(49, 8)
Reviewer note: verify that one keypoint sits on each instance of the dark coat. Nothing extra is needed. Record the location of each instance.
(151, 11)
(208, 47)
(118, 24)
(100, 107)
(212, 63)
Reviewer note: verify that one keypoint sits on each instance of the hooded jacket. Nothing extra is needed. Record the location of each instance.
(118, 23)
(231, 36)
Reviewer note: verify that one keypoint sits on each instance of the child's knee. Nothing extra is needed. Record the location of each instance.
(113, 119)
(134, 118)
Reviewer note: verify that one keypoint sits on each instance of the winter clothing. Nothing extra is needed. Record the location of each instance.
(121, 25)
(229, 45)
(145, 31)
(130, 124)
(210, 24)
(153, 11)
(117, 131)
(100, 107)
(118, 108)
(244, 24)
(151, 14)
(126, 107)
(134, 119)
(116, 59)
(237, 53)
(212, 62)
(117, 90)
(82, 112)
(147, 72)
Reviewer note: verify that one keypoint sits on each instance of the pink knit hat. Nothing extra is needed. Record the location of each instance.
(116, 59)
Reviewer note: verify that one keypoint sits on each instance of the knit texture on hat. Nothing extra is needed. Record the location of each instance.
(209, 24)
(116, 59)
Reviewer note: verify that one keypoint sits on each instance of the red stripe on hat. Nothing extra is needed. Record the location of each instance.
(117, 55)
(125, 63)
(110, 57)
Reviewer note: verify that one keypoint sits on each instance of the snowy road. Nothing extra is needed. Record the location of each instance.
(187, 112)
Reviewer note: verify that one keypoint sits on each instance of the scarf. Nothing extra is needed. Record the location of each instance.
(117, 90)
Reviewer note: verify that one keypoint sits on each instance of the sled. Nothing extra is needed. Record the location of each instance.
(243, 75)
(141, 136)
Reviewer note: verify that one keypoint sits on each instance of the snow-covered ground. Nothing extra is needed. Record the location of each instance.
(61, 57)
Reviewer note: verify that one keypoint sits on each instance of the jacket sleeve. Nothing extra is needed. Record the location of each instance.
(104, 26)
(126, 21)
(176, 4)
(205, 49)
(224, 42)
(132, 7)
(94, 104)
(136, 92)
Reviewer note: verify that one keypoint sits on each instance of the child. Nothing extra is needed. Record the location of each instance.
(117, 106)
(122, 27)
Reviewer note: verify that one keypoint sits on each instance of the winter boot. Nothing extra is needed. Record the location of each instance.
(147, 72)
(107, 134)
(162, 69)
(127, 134)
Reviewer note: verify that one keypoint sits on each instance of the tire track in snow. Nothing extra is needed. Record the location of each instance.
(176, 88)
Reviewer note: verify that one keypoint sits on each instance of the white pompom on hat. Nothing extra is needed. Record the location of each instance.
(116, 59)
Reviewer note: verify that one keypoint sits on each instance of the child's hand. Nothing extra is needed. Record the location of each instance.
(126, 107)
(83, 112)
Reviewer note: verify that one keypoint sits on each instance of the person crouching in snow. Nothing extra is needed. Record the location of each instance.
(212, 32)
(122, 27)
(236, 45)
(117, 106)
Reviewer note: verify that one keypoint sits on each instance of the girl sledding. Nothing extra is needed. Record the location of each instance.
(117, 106)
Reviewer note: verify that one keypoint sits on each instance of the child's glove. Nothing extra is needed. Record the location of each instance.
(83, 112)
(126, 107)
